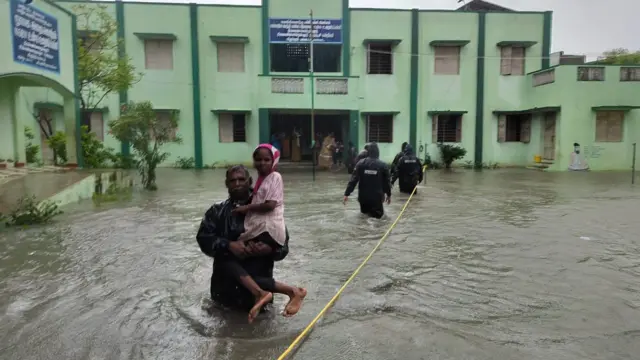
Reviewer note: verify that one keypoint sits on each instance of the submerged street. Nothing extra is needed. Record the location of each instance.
(500, 264)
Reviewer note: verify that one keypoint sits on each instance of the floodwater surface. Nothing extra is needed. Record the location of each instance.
(494, 265)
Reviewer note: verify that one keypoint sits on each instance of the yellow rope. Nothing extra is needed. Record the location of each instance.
(335, 297)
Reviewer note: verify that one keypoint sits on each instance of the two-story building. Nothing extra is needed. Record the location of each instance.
(480, 77)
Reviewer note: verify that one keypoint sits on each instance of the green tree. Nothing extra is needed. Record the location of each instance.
(101, 69)
(619, 56)
(139, 125)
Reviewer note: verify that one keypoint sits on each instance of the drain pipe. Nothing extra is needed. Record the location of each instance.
(633, 165)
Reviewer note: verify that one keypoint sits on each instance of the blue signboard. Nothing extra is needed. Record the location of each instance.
(35, 37)
(328, 31)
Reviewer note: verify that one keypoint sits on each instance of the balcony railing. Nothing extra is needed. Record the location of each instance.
(287, 85)
(545, 77)
(332, 86)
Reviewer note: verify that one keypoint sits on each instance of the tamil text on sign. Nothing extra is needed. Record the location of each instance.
(299, 31)
(35, 37)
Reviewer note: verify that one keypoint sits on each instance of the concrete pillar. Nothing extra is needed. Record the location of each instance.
(19, 141)
(7, 147)
(70, 129)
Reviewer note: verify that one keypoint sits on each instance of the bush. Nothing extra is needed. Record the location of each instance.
(31, 150)
(30, 212)
(185, 163)
(58, 144)
(94, 153)
(451, 153)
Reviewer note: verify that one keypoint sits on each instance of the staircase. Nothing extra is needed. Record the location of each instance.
(542, 166)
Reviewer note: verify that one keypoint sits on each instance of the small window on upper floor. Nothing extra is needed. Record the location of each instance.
(230, 57)
(232, 128)
(630, 74)
(590, 73)
(446, 60)
(512, 60)
(447, 128)
(609, 126)
(158, 54)
(90, 42)
(380, 128)
(380, 59)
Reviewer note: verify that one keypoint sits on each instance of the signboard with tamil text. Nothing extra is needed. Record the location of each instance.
(328, 31)
(35, 37)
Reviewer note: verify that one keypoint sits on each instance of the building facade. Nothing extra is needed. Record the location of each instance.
(236, 75)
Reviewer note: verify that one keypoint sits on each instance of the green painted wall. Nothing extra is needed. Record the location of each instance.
(251, 91)
(508, 92)
(447, 92)
(577, 119)
(383, 92)
(228, 91)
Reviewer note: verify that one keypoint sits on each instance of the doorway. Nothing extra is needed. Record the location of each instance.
(294, 129)
(549, 136)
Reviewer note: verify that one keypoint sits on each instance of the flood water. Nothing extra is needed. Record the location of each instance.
(502, 264)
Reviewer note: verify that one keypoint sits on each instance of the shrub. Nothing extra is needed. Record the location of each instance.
(451, 153)
(29, 212)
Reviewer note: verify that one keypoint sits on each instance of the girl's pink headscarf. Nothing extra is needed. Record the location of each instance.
(275, 154)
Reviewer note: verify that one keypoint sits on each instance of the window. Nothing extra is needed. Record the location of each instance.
(230, 57)
(90, 41)
(514, 128)
(164, 118)
(447, 129)
(158, 54)
(232, 128)
(295, 57)
(588, 73)
(543, 78)
(94, 122)
(630, 74)
(379, 59)
(447, 60)
(512, 60)
(380, 128)
(609, 126)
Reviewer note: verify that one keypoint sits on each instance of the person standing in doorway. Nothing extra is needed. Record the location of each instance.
(374, 183)
(275, 141)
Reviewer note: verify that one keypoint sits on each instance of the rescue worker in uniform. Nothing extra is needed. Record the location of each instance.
(408, 171)
(398, 155)
(374, 183)
(361, 155)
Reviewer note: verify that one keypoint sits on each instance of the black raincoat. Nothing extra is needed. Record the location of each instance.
(217, 229)
(373, 180)
(408, 171)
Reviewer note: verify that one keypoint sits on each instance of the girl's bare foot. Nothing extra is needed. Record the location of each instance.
(295, 302)
(261, 301)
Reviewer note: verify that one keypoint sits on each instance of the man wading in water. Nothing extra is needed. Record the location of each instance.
(218, 238)
(408, 170)
(374, 183)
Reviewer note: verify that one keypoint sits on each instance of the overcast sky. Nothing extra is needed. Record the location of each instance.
(577, 24)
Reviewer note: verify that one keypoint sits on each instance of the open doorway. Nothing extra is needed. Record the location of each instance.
(293, 132)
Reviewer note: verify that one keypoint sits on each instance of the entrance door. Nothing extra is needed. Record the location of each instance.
(550, 136)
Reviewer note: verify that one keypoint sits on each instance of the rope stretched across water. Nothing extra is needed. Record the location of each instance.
(298, 340)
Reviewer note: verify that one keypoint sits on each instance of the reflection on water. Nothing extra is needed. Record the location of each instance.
(490, 265)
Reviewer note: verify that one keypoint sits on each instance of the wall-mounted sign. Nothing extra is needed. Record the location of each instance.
(35, 37)
(328, 31)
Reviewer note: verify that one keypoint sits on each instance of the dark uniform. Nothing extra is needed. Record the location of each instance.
(217, 230)
(408, 171)
(398, 156)
(373, 180)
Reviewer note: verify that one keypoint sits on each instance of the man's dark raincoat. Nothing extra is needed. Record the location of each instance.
(374, 181)
(217, 229)
(408, 171)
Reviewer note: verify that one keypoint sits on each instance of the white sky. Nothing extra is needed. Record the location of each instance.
(577, 24)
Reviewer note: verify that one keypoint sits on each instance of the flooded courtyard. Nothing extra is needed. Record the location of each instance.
(500, 264)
